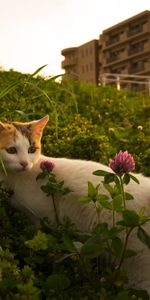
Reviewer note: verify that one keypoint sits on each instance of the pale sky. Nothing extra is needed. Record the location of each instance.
(33, 32)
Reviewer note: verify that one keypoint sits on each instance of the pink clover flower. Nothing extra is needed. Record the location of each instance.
(122, 163)
(47, 164)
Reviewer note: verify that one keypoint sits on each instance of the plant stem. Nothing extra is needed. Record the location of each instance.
(113, 216)
(98, 211)
(123, 193)
(128, 232)
(55, 210)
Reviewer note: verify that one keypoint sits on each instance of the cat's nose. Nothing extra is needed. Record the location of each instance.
(24, 163)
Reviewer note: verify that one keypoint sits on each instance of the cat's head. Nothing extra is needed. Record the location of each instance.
(20, 143)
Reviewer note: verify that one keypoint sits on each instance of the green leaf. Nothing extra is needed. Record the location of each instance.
(58, 282)
(78, 245)
(117, 246)
(100, 173)
(65, 191)
(41, 175)
(24, 115)
(114, 232)
(46, 190)
(102, 197)
(130, 253)
(92, 248)
(52, 78)
(126, 178)
(69, 244)
(117, 203)
(38, 70)
(140, 294)
(142, 212)
(64, 257)
(130, 217)
(123, 296)
(109, 188)
(143, 236)
(8, 89)
(39, 242)
(84, 199)
(92, 190)
(110, 177)
(117, 182)
(104, 202)
(128, 196)
(134, 178)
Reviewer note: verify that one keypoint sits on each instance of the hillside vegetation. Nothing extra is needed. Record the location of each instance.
(86, 122)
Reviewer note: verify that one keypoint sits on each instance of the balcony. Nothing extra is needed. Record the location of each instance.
(67, 51)
(69, 62)
(112, 39)
(136, 29)
(136, 48)
(113, 57)
(137, 67)
(116, 56)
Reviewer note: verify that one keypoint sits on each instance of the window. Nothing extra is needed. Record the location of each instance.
(112, 38)
(91, 66)
(135, 48)
(118, 70)
(116, 55)
(113, 56)
(137, 66)
(134, 29)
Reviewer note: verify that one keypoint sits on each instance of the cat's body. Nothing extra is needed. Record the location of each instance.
(20, 152)
(76, 174)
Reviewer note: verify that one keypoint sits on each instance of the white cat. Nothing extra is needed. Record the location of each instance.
(20, 150)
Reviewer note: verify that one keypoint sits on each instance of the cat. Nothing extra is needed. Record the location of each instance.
(20, 152)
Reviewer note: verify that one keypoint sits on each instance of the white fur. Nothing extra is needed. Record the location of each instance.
(29, 197)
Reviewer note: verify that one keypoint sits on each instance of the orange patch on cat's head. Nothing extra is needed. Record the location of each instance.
(31, 130)
(7, 134)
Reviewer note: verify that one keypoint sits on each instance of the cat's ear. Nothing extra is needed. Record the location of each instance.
(2, 126)
(38, 125)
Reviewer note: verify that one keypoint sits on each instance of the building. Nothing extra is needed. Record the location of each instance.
(82, 62)
(121, 49)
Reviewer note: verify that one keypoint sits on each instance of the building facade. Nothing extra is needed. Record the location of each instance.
(121, 49)
(82, 62)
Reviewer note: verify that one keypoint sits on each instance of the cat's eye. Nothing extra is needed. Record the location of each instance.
(11, 150)
(32, 149)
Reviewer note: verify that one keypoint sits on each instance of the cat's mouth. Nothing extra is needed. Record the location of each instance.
(24, 169)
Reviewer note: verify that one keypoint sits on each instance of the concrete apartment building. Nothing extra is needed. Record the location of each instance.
(82, 62)
(121, 49)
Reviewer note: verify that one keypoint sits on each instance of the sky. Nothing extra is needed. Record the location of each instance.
(33, 32)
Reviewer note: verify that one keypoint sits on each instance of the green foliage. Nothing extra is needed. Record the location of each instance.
(86, 122)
